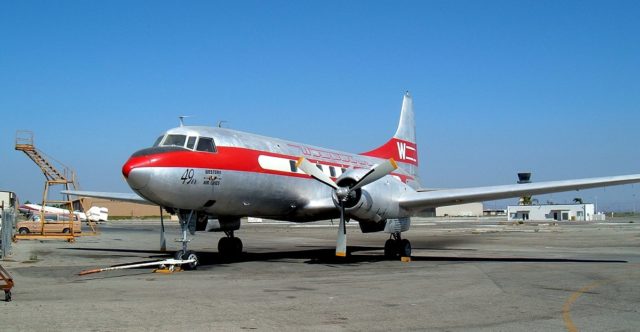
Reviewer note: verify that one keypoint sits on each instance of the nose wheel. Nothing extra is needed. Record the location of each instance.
(188, 255)
(397, 246)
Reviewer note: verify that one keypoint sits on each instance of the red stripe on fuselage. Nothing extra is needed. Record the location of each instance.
(227, 158)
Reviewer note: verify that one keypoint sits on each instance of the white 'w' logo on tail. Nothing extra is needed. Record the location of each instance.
(402, 151)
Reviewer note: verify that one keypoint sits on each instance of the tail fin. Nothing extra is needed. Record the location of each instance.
(402, 147)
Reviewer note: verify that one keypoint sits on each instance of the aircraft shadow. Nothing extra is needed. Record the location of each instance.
(327, 256)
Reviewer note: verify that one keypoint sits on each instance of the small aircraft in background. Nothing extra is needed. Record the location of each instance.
(211, 177)
(95, 213)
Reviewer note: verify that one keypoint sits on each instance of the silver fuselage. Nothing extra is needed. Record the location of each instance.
(252, 175)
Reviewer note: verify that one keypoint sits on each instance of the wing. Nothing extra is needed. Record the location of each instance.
(435, 198)
(125, 197)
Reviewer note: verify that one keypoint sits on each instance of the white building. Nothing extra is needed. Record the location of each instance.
(460, 210)
(558, 212)
(7, 199)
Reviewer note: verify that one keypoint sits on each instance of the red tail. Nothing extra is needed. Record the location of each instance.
(402, 147)
(400, 150)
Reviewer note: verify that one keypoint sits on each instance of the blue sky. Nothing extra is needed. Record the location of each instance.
(552, 87)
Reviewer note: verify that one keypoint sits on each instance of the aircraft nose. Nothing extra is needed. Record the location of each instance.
(138, 178)
(136, 171)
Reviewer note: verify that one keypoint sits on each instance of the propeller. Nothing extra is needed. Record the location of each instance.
(343, 193)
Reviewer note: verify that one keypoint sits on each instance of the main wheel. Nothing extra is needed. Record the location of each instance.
(390, 251)
(236, 246)
(230, 246)
(224, 246)
(178, 255)
(190, 255)
(7, 295)
(405, 248)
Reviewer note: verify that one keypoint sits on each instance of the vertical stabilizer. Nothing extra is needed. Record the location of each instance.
(407, 125)
(402, 147)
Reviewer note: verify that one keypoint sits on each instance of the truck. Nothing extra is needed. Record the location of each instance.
(53, 223)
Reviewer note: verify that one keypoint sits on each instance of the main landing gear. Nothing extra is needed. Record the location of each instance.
(397, 246)
(230, 246)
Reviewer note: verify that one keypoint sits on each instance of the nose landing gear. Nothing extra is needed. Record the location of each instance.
(187, 224)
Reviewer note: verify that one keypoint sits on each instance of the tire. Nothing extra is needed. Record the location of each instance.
(23, 230)
(178, 255)
(224, 246)
(237, 246)
(390, 251)
(230, 246)
(190, 255)
(65, 231)
(405, 248)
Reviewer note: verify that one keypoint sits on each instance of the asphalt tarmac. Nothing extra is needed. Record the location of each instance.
(480, 275)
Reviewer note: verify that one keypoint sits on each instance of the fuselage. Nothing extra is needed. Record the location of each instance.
(224, 172)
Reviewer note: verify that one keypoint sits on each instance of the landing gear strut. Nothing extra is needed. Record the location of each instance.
(230, 245)
(187, 224)
(397, 246)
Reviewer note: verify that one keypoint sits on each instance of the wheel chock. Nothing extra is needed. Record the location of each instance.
(168, 269)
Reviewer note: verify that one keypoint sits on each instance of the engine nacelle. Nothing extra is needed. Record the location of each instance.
(373, 204)
(223, 225)
(390, 226)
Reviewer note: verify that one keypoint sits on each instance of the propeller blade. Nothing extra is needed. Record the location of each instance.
(163, 241)
(341, 245)
(312, 170)
(376, 173)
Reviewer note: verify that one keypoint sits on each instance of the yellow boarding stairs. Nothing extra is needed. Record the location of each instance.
(53, 176)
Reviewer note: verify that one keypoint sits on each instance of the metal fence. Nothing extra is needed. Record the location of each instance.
(6, 233)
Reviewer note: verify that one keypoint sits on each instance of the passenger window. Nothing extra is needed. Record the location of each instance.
(292, 164)
(206, 144)
(191, 142)
(174, 140)
(332, 170)
(158, 141)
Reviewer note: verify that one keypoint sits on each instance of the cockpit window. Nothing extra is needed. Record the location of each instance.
(158, 141)
(175, 140)
(191, 142)
(206, 144)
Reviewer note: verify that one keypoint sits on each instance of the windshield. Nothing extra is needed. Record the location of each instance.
(206, 144)
(158, 141)
(174, 140)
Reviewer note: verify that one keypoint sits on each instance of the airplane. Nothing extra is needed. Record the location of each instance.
(211, 177)
(95, 213)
